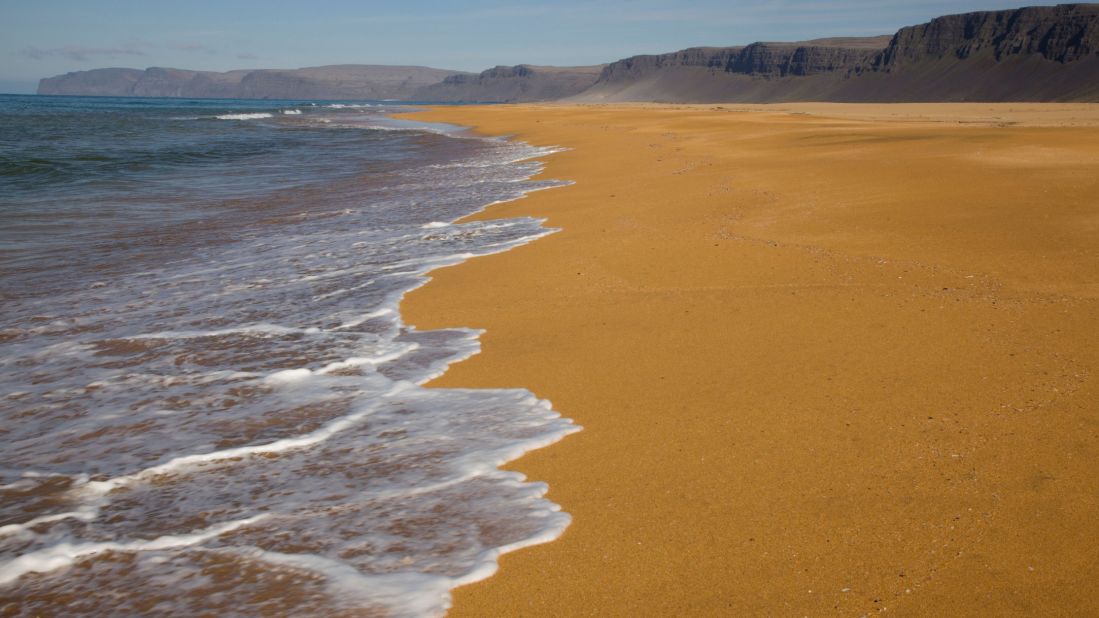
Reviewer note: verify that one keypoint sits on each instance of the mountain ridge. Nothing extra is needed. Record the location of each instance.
(1025, 54)
(1046, 53)
(339, 81)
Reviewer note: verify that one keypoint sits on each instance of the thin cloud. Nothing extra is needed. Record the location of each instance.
(195, 47)
(248, 56)
(80, 54)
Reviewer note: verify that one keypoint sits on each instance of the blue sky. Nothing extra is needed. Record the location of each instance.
(47, 37)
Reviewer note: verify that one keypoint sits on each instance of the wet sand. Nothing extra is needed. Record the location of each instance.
(829, 360)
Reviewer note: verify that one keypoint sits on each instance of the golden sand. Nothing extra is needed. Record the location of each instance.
(829, 360)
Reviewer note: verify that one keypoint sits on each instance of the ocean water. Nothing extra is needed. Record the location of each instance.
(209, 403)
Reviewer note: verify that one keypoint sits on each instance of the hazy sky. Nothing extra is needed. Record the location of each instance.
(40, 38)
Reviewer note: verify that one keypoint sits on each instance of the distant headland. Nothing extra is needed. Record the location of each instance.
(1027, 54)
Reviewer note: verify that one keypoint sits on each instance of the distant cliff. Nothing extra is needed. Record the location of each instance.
(350, 81)
(523, 82)
(1064, 33)
(767, 60)
(1029, 54)
(499, 84)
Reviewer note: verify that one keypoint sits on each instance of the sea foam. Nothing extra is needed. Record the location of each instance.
(243, 398)
(252, 116)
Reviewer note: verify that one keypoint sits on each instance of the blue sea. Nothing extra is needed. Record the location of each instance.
(209, 403)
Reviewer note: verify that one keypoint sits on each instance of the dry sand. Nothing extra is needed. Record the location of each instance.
(829, 360)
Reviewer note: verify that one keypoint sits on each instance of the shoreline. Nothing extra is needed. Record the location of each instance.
(828, 363)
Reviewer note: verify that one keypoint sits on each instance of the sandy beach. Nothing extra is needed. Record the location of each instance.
(829, 359)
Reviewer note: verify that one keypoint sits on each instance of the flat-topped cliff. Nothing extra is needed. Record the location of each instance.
(1046, 53)
(520, 83)
(1063, 33)
(349, 81)
(1028, 54)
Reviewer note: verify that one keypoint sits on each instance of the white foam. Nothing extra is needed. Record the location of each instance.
(85, 513)
(384, 311)
(254, 116)
(288, 376)
(370, 361)
(291, 112)
(407, 593)
(64, 554)
(179, 463)
(248, 329)
(489, 561)
(276, 376)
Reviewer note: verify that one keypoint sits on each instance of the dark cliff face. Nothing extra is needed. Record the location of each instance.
(498, 84)
(639, 66)
(328, 82)
(1063, 33)
(502, 72)
(97, 82)
(766, 59)
(489, 75)
(261, 84)
(520, 83)
(1029, 54)
(158, 82)
(757, 59)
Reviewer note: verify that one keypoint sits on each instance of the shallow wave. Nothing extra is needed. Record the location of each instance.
(233, 411)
